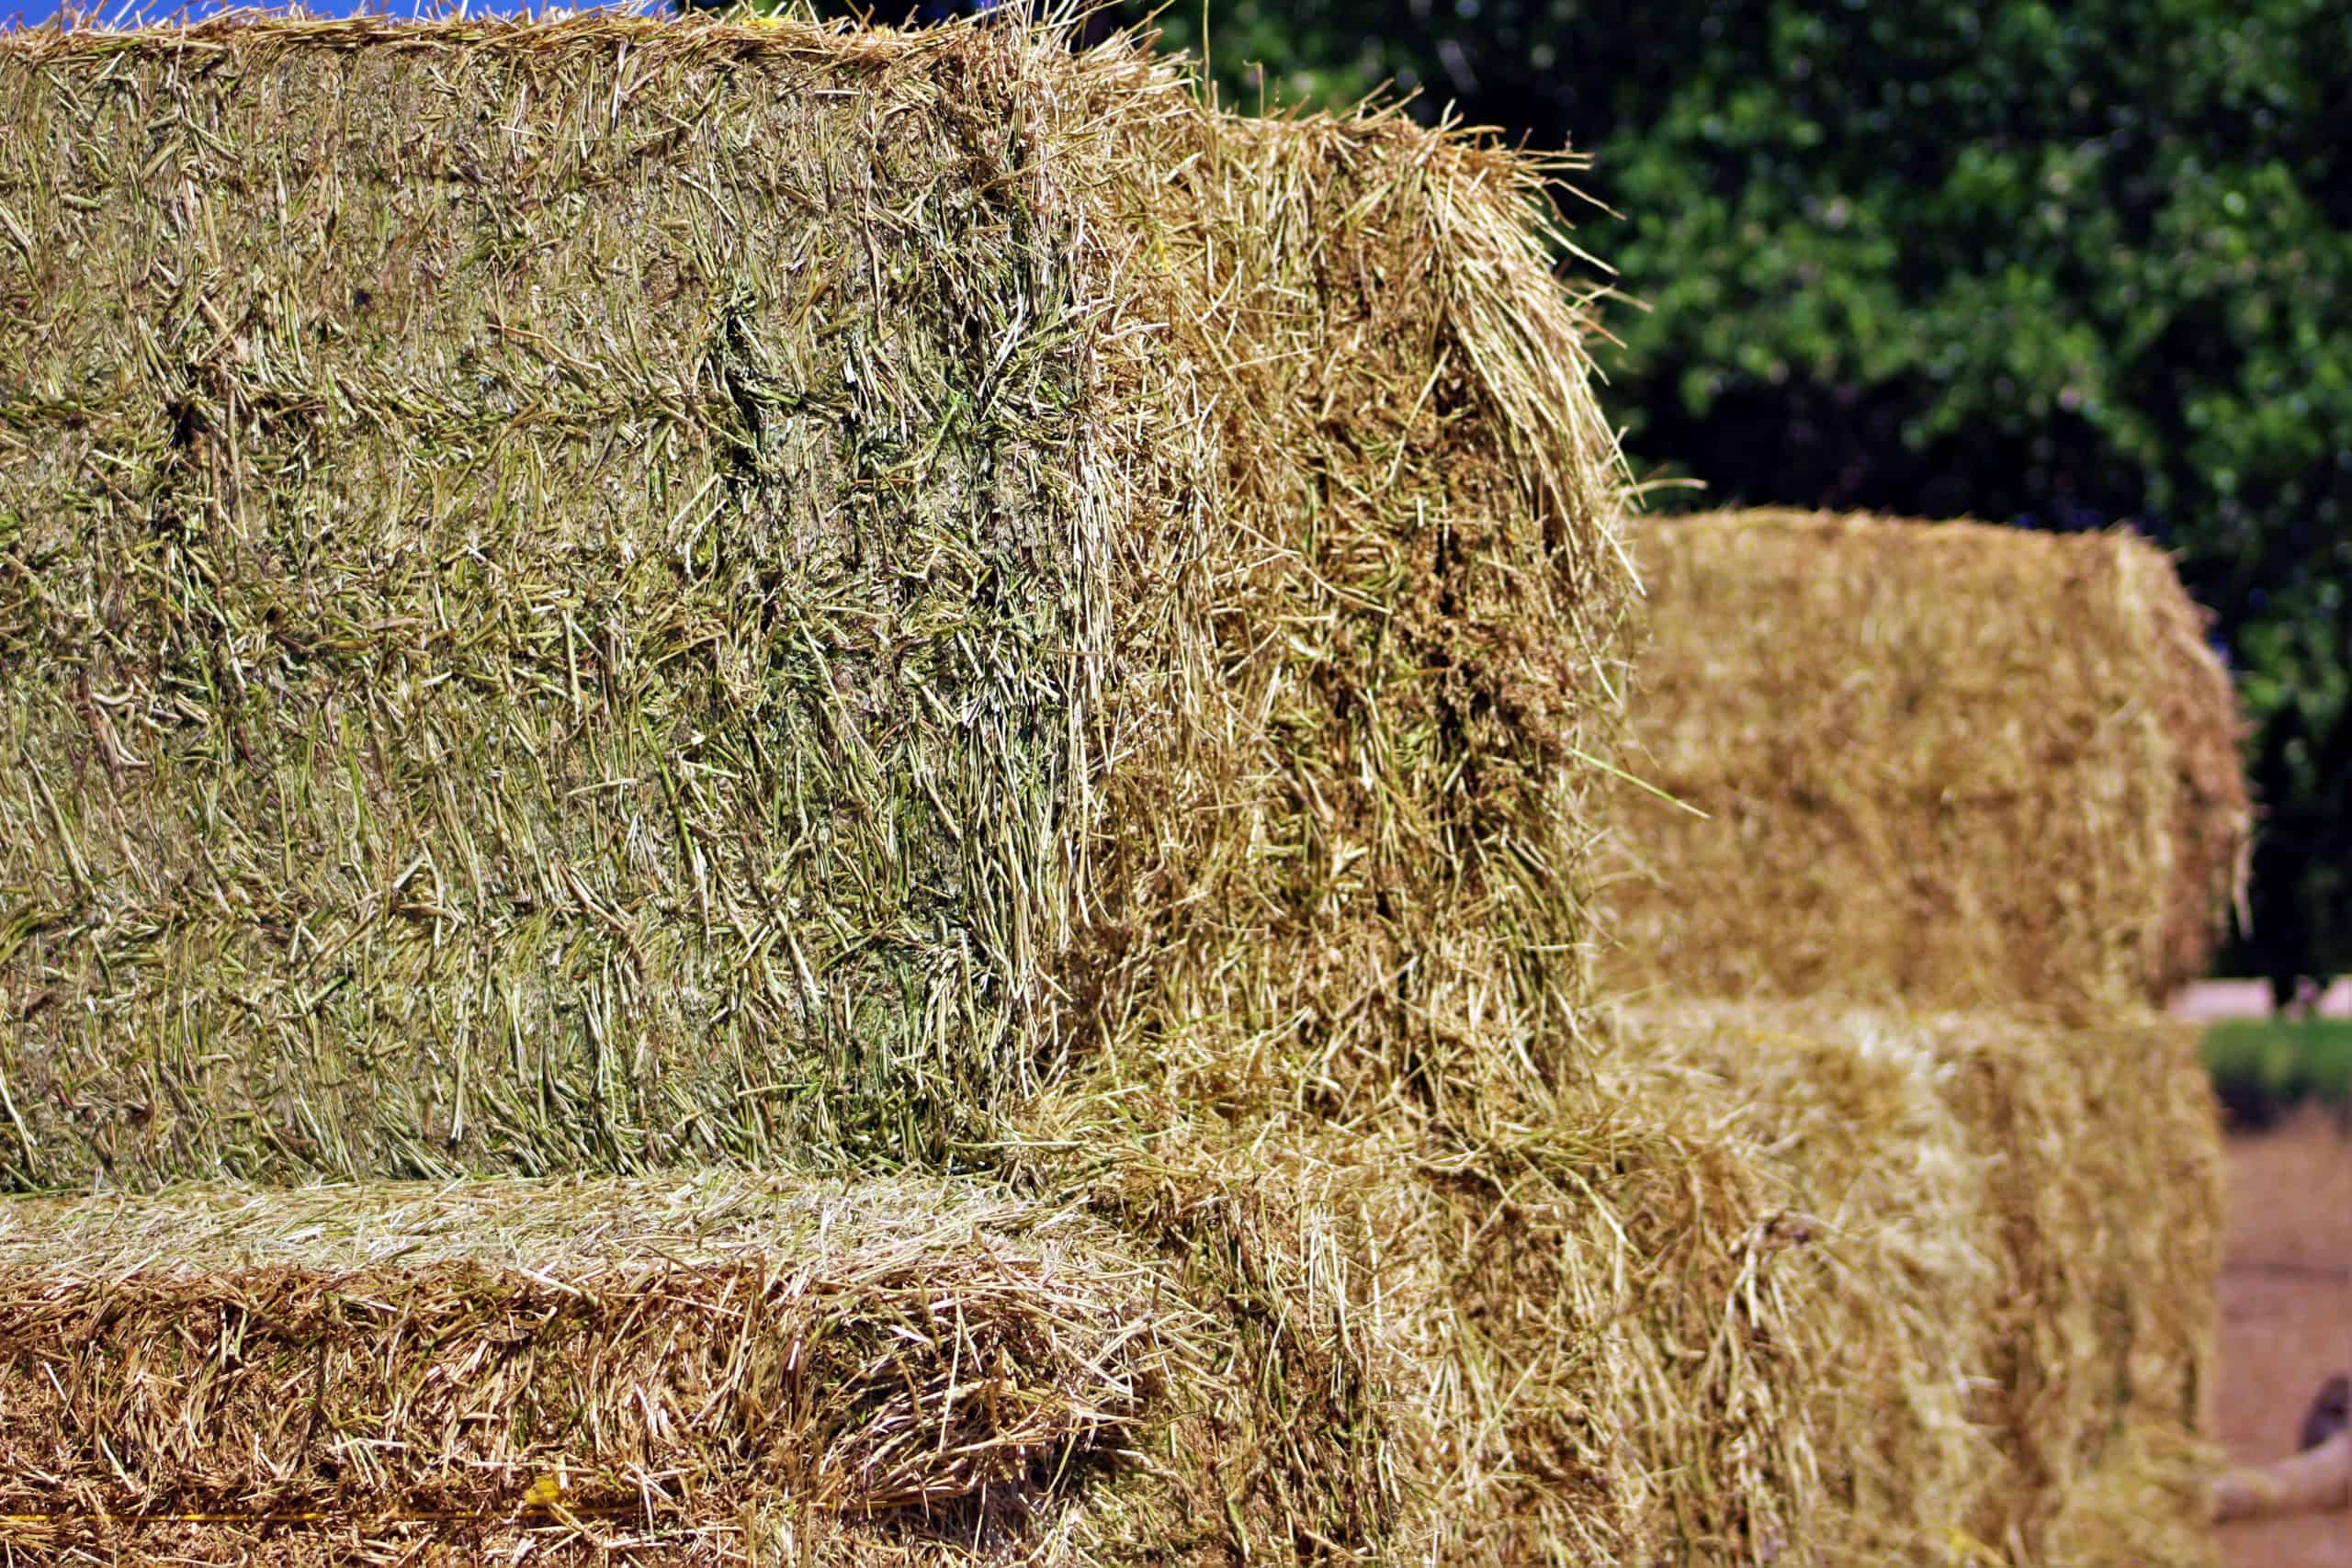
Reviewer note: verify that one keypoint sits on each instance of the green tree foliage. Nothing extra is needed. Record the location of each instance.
(2060, 264)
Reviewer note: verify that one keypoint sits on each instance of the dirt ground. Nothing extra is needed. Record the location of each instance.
(2285, 1318)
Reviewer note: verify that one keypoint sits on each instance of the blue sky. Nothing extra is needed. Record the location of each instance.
(31, 13)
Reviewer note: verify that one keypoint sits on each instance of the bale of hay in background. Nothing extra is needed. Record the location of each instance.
(726, 1369)
(1980, 1343)
(635, 592)
(1958, 763)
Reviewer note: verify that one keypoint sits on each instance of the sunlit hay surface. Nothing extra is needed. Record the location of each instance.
(660, 594)
(714, 1366)
(542, 632)
(1544, 1343)
(1994, 1290)
(1376, 514)
(1340, 976)
(635, 593)
(1958, 763)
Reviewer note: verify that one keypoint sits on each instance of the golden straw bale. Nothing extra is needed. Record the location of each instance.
(1523, 1341)
(1984, 1344)
(718, 1366)
(1949, 762)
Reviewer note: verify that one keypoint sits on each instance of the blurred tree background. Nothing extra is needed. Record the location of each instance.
(2064, 266)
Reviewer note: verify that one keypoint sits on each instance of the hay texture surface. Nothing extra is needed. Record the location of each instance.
(629, 592)
(1528, 1343)
(719, 1368)
(1779, 1283)
(1776, 1285)
(1984, 1277)
(1951, 762)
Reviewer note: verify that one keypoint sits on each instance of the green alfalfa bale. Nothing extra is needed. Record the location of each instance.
(554, 642)
(618, 592)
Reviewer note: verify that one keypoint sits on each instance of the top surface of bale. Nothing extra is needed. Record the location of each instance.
(844, 1229)
(1959, 763)
(592, 596)
(878, 1365)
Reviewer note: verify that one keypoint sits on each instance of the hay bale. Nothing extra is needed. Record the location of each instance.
(1976, 1341)
(841, 598)
(1376, 900)
(1958, 763)
(723, 1369)
(1284, 1339)
(1522, 1343)
(625, 593)
(1777, 1283)
(1773, 1286)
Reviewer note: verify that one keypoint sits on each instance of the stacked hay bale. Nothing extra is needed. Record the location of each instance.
(741, 630)
(626, 595)
(718, 1366)
(1917, 768)
(2021, 1362)
(649, 599)
(1958, 763)
(514, 612)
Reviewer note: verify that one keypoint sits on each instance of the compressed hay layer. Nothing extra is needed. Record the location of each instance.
(716, 1367)
(1539, 1344)
(1776, 1285)
(1955, 763)
(1980, 1343)
(546, 618)
(1241, 758)
(1546, 1348)
(1779, 1283)
(630, 593)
